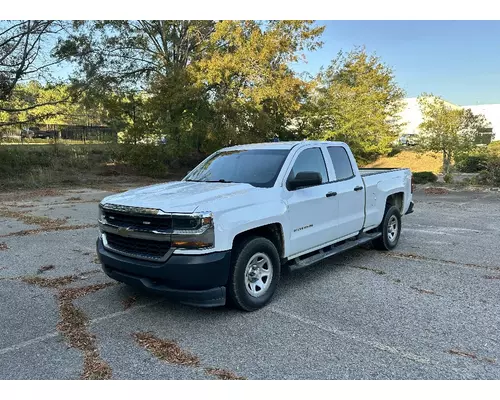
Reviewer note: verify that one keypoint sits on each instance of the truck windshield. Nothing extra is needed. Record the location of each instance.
(256, 167)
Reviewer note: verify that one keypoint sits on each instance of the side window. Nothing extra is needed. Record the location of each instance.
(341, 162)
(310, 160)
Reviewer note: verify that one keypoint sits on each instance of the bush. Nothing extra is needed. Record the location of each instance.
(492, 173)
(424, 177)
(472, 163)
(448, 178)
(494, 147)
(395, 151)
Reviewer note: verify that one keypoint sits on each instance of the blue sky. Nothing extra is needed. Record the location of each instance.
(458, 60)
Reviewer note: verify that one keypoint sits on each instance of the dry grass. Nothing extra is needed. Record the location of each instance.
(73, 325)
(49, 229)
(169, 351)
(417, 162)
(73, 322)
(436, 191)
(73, 199)
(45, 268)
(23, 195)
(49, 282)
(377, 271)
(129, 302)
(3, 246)
(411, 256)
(44, 222)
(462, 353)
(423, 291)
(74, 293)
(166, 350)
(223, 374)
(471, 355)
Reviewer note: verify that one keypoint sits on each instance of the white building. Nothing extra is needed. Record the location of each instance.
(412, 116)
(492, 114)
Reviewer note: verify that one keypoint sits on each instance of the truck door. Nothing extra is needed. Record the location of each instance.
(350, 192)
(312, 211)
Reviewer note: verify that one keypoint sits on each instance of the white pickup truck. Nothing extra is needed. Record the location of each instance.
(226, 231)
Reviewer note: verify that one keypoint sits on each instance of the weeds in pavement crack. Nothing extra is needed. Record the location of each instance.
(424, 291)
(73, 322)
(166, 350)
(44, 222)
(73, 326)
(424, 258)
(377, 271)
(45, 268)
(49, 229)
(471, 355)
(223, 374)
(129, 302)
(50, 282)
(169, 351)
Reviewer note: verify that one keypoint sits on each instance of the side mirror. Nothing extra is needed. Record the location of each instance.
(304, 179)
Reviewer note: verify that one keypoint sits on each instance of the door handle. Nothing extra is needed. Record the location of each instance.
(358, 188)
(331, 194)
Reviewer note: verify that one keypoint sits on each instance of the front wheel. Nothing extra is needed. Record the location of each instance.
(390, 228)
(254, 274)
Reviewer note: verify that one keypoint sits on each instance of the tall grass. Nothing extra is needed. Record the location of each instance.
(56, 164)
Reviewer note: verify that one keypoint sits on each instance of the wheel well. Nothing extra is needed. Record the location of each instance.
(395, 199)
(273, 232)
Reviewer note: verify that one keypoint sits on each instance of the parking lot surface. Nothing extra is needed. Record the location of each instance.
(427, 310)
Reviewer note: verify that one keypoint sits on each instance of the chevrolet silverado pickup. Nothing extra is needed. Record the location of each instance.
(226, 231)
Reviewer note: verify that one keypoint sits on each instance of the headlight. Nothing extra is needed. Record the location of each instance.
(194, 231)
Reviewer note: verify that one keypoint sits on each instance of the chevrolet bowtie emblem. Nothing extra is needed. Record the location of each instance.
(123, 231)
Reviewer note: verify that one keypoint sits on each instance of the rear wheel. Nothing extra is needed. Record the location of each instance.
(390, 228)
(254, 274)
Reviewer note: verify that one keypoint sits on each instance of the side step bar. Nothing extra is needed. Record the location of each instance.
(328, 251)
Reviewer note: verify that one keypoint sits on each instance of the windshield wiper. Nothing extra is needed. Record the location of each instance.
(218, 180)
(221, 181)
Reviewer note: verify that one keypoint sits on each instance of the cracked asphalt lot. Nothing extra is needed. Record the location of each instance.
(428, 310)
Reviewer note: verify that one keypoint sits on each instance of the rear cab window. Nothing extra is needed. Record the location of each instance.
(341, 163)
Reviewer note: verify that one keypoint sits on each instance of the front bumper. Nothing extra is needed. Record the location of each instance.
(195, 280)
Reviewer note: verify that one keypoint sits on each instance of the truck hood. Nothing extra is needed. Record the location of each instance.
(183, 196)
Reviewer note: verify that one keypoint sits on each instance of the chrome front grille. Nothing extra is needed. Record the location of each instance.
(139, 222)
(134, 232)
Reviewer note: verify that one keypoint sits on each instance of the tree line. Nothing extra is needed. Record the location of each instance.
(199, 84)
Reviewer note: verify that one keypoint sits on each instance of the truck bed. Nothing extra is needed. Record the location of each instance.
(380, 182)
(375, 171)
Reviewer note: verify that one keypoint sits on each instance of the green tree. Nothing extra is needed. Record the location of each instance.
(140, 70)
(446, 128)
(253, 91)
(202, 83)
(357, 101)
(24, 56)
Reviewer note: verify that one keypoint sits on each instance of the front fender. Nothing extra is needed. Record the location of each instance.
(231, 223)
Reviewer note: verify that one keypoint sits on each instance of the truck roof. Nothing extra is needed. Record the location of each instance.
(278, 145)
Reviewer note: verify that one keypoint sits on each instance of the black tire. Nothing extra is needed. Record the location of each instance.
(384, 242)
(238, 294)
